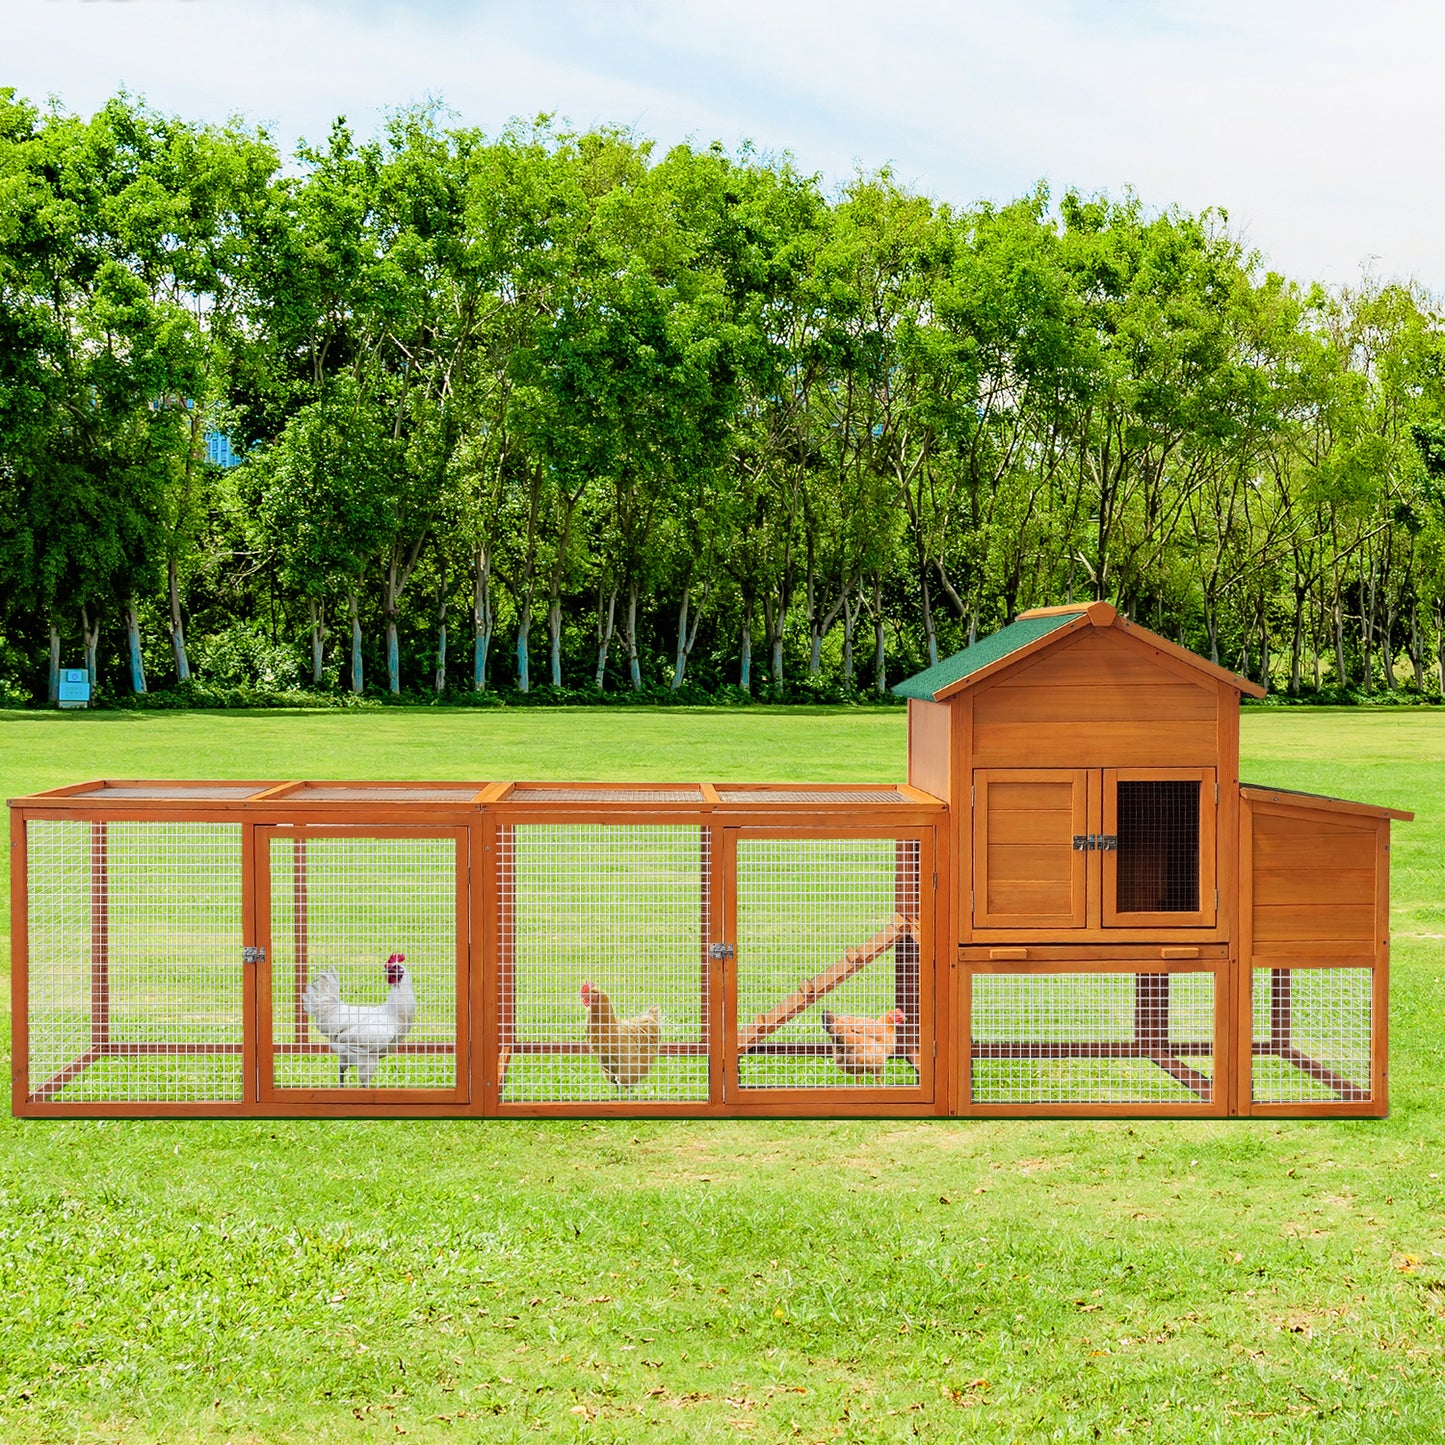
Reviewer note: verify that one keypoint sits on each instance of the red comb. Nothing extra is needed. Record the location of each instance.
(397, 958)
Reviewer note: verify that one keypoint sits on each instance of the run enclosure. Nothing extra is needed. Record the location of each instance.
(164, 934)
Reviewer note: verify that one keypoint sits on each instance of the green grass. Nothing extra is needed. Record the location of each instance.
(641, 1281)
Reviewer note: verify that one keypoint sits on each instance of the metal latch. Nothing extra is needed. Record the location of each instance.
(1083, 842)
(253, 954)
(1096, 842)
(720, 950)
(1107, 842)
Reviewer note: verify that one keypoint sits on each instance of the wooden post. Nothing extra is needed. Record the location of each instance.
(906, 901)
(1279, 1010)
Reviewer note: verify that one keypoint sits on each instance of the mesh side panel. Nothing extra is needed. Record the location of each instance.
(622, 909)
(1312, 1031)
(1093, 1038)
(1158, 831)
(810, 795)
(135, 962)
(344, 906)
(818, 934)
(529, 793)
(381, 793)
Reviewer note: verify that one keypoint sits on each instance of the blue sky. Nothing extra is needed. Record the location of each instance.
(1317, 126)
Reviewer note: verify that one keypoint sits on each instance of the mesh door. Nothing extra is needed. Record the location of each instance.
(827, 963)
(135, 973)
(620, 909)
(1312, 1029)
(342, 906)
(1158, 832)
(1093, 1038)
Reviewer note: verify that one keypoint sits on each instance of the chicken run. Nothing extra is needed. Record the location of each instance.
(1073, 906)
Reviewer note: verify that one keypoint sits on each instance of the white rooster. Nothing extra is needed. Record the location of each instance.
(362, 1035)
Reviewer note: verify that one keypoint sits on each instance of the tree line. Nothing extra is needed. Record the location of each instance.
(549, 409)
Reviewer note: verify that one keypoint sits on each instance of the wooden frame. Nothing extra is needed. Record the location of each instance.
(480, 818)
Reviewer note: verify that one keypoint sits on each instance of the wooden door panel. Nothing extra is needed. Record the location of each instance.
(1027, 872)
(1164, 874)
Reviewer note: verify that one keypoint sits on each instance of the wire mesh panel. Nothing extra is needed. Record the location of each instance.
(135, 974)
(1158, 833)
(602, 971)
(828, 952)
(1312, 1031)
(1093, 1038)
(363, 962)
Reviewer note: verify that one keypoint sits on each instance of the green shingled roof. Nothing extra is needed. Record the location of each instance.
(983, 652)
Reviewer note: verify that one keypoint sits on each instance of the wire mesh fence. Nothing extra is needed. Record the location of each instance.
(363, 962)
(1093, 1038)
(602, 970)
(1312, 1032)
(134, 962)
(827, 963)
(1158, 846)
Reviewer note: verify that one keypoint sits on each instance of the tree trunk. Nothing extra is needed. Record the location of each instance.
(554, 639)
(178, 634)
(604, 637)
(680, 666)
(686, 635)
(524, 661)
(318, 640)
(1297, 644)
(849, 617)
(53, 687)
(745, 666)
(481, 620)
(880, 669)
(356, 671)
(137, 662)
(441, 674)
(633, 665)
(393, 653)
(930, 631)
(92, 644)
(1342, 677)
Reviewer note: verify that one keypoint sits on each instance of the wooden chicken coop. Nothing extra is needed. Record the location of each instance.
(1135, 930)
(1072, 906)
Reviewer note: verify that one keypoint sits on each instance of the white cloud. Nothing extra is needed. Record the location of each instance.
(1313, 124)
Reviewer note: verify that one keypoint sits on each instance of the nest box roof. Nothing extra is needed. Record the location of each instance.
(1037, 631)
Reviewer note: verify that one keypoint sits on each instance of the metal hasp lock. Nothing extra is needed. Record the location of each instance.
(252, 954)
(720, 950)
(1096, 842)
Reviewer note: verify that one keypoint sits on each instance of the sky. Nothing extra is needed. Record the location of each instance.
(1315, 125)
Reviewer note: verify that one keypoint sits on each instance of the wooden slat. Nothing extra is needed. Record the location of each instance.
(1274, 887)
(1031, 796)
(1192, 1079)
(56, 1082)
(1031, 827)
(1043, 900)
(1345, 1088)
(1307, 922)
(1037, 861)
(1315, 848)
(1141, 744)
(1039, 696)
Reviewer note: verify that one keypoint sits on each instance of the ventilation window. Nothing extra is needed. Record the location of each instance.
(1158, 831)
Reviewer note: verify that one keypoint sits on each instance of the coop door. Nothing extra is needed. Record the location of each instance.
(1158, 865)
(340, 1022)
(828, 967)
(1029, 871)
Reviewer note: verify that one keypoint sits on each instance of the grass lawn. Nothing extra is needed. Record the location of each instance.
(793, 1280)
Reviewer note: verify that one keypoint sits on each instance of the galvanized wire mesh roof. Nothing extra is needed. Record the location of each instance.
(385, 793)
(811, 795)
(539, 793)
(213, 792)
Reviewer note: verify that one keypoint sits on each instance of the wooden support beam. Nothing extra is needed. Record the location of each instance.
(1192, 1079)
(56, 1082)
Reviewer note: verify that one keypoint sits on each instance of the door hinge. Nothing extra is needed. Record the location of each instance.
(972, 794)
(935, 880)
(1216, 900)
(252, 953)
(1216, 792)
(720, 950)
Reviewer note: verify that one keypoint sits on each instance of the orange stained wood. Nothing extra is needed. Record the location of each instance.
(1096, 700)
(1026, 869)
(930, 746)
